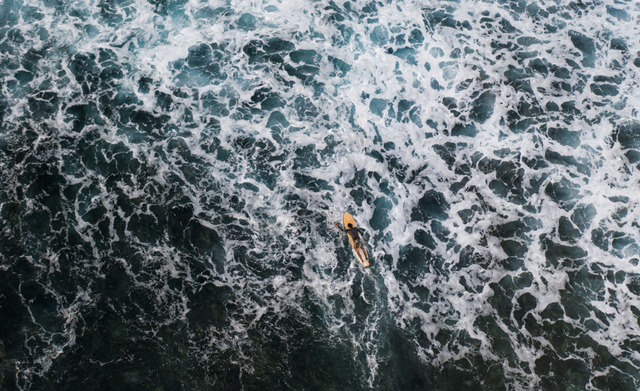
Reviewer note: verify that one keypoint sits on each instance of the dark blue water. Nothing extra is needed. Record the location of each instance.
(170, 173)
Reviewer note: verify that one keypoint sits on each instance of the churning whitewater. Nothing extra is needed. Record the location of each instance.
(171, 172)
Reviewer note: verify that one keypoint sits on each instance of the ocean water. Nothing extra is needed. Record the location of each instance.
(171, 170)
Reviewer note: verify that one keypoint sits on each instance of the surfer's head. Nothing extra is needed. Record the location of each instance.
(350, 225)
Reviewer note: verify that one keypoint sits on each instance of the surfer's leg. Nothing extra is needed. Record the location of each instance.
(363, 261)
(366, 256)
(357, 250)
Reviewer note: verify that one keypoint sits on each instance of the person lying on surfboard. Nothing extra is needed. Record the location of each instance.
(355, 234)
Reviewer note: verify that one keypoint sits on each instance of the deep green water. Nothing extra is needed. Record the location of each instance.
(170, 172)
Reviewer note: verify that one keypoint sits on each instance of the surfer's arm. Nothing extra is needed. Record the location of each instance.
(363, 232)
(340, 228)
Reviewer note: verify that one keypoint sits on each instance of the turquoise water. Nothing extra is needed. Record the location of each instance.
(170, 173)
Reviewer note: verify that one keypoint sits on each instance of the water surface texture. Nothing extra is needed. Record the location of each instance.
(170, 172)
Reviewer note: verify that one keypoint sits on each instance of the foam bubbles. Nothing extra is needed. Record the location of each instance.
(173, 171)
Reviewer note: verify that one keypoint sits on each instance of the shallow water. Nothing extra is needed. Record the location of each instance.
(170, 172)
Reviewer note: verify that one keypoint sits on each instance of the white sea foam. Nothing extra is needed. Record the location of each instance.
(333, 155)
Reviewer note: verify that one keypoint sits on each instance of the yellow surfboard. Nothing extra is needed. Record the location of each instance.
(346, 220)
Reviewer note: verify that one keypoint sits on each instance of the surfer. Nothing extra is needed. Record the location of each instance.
(355, 235)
